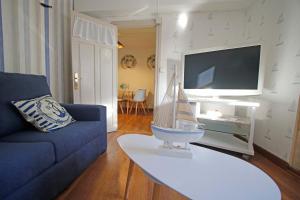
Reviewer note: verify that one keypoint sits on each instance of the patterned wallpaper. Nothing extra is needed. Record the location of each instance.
(274, 24)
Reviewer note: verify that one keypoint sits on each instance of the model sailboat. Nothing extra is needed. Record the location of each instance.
(174, 120)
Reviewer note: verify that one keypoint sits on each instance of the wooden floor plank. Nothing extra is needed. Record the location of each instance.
(106, 177)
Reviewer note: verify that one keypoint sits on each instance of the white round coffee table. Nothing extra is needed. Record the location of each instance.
(209, 175)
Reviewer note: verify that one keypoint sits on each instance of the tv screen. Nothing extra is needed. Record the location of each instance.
(236, 68)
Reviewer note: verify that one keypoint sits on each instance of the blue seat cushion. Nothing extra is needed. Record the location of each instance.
(21, 162)
(65, 140)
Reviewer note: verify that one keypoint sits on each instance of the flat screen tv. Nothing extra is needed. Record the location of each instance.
(223, 72)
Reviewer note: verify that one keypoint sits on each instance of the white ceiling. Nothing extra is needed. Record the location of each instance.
(134, 23)
(115, 8)
(120, 10)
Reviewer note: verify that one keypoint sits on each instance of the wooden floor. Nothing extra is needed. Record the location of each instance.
(106, 177)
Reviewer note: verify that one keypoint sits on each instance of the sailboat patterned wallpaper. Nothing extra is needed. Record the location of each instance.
(279, 33)
(275, 25)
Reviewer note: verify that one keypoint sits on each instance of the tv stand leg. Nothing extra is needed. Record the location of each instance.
(246, 157)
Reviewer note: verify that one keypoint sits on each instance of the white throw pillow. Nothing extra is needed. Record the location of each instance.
(44, 113)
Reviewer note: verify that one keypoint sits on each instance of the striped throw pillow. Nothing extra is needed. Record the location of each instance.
(44, 113)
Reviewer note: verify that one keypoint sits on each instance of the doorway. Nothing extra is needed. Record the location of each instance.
(295, 153)
(136, 70)
(94, 64)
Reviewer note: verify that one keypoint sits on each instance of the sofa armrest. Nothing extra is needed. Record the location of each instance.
(81, 112)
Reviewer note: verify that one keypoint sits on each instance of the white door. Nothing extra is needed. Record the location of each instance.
(94, 65)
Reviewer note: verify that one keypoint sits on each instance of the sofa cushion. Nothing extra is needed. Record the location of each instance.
(21, 162)
(44, 113)
(65, 141)
(14, 87)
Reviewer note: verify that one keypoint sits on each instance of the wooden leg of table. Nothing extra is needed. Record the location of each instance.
(136, 107)
(121, 107)
(129, 175)
(155, 192)
(147, 107)
(127, 107)
(143, 106)
(131, 106)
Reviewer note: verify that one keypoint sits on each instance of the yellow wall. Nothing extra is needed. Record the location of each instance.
(139, 42)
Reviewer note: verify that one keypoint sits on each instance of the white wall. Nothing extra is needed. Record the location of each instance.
(276, 25)
(273, 23)
(139, 42)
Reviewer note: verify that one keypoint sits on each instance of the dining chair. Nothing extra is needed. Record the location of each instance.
(139, 99)
(127, 97)
(121, 100)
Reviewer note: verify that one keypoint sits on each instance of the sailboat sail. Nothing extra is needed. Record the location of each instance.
(163, 115)
(174, 121)
(184, 110)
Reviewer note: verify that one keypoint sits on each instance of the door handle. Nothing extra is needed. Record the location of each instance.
(76, 80)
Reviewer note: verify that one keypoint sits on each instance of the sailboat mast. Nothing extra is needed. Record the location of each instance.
(174, 97)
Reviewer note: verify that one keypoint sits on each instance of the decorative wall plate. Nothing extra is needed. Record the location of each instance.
(151, 61)
(128, 61)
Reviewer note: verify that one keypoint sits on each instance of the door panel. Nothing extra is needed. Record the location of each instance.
(106, 62)
(87, 73)
(75, 70)
(98, 76)
(295, 150)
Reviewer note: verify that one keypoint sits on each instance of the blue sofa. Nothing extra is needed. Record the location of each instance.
(36, 165)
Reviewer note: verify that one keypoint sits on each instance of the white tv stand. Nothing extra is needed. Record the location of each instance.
(230, 132)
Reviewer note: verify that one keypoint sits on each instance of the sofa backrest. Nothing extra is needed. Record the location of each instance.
(15, 87)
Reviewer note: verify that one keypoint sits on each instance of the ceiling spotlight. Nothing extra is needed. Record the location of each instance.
(182, 20)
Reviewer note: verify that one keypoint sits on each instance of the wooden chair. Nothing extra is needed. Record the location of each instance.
(127, 97)
(139, 99)
(121, 100)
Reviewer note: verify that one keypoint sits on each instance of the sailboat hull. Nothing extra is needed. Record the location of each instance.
(177, 135)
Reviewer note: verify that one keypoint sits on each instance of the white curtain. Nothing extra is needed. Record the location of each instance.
(24, 42)
(95, 32)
